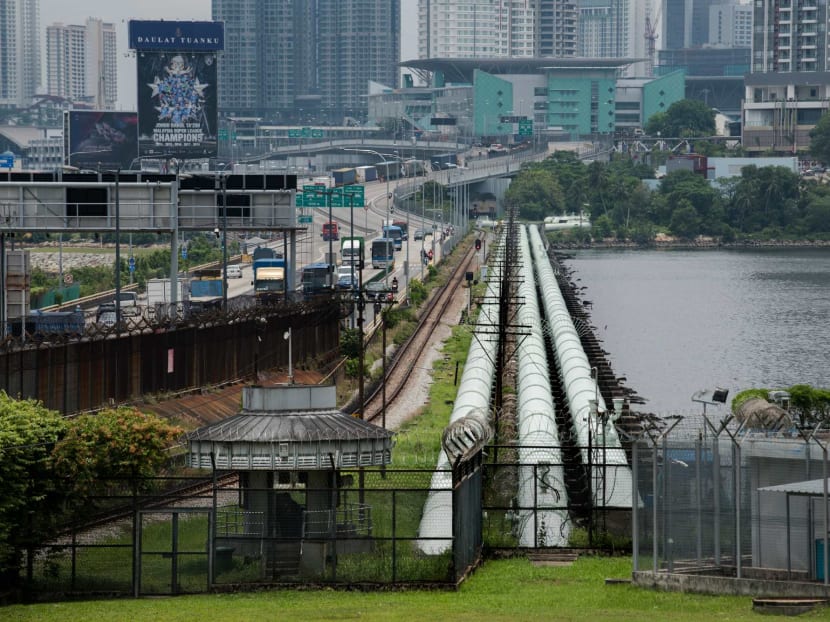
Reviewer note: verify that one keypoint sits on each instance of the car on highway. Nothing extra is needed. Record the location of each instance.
(235, 271)
(420, 234)
(376, 290)
(346, 281)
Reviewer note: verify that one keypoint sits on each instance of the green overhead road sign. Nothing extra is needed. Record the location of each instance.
(526, 128)
(294, 133)
(312, 198)
(317, 196)
(305, 132)
(304, 219)
(316, 133)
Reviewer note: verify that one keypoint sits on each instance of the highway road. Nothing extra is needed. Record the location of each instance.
(367, 222)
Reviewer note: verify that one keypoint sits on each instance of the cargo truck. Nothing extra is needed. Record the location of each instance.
(41, 325)
(159, 292)
(330, 231)
(206, 288)
(269, 280)
(366, 173)
(344, 176)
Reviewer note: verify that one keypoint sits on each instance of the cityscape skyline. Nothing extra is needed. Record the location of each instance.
(119, 14)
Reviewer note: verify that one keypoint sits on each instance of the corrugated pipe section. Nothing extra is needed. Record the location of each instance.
(542, 499)
(473, 399)
(592, 422)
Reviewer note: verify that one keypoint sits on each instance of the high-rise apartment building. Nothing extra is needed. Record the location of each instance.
(305, 60)
(496, 28)
(19, 52)
(790, 35)
(700, 23)
(786, 93)
(81, 63)
(730, 25)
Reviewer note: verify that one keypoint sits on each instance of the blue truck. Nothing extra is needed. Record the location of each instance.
(206, 289)
(40, 325)
(344, 176)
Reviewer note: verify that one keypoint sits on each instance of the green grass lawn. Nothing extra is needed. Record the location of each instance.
(500, 590)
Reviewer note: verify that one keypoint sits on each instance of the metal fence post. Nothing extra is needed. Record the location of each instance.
(716, 498)
(699, 500)
(737, 476)
(654, 495)
(394, 537)
(667, 541)
(635, 495)
(825, 557)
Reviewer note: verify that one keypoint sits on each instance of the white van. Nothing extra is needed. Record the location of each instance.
(234, 272)
(346, 270)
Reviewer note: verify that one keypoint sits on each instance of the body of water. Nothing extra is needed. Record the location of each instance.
(677, 321)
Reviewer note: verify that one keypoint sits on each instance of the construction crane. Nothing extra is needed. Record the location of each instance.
(651, 40)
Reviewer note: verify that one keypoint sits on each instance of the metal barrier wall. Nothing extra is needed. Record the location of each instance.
(92, 371)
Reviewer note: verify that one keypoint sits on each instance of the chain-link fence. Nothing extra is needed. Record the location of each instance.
(187, 535)
(726, 501)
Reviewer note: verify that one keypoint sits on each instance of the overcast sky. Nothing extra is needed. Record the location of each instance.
(120, 12)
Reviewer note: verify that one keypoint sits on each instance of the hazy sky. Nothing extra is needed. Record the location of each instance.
(120, 12)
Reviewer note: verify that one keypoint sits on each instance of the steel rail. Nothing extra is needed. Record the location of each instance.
(408, 355)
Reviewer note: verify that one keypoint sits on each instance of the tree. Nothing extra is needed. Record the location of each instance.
(28, 492)
(820, 139)
(685, 222)
(686, 118)
(537, 194)
(120, 443)
(52, 466)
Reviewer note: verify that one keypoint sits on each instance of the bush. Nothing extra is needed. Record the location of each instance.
(350, 343)
(352, 368)
(417, 292)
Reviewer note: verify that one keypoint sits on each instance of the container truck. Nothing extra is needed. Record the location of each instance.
(344, 176)
(366, 173)
(160, 292)
(444, 161)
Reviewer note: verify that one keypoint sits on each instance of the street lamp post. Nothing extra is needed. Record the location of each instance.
(224, 244)
(117, 255)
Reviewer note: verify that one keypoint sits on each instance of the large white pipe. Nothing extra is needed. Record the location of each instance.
(542, 498)
(473, 398)
(610, 474)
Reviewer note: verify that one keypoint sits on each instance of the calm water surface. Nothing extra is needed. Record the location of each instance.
(678, 321)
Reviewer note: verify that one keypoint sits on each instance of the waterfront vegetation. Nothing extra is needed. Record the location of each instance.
(762, 204)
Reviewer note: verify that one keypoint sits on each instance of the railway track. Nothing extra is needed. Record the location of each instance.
(162, 499)
(401, 367)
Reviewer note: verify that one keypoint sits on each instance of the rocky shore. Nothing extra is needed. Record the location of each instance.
(49, 262)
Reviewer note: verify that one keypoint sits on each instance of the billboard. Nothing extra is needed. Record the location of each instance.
(177, 36)
(97, 139)
(177, 94)
(177, 104)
